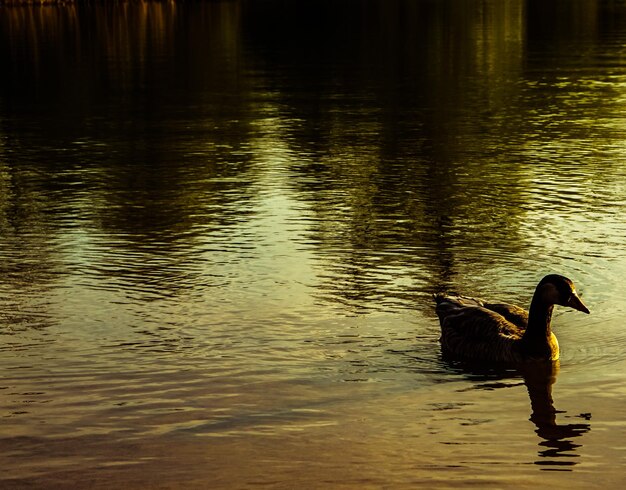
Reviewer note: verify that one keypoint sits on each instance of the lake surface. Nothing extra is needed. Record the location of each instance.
(221, 224)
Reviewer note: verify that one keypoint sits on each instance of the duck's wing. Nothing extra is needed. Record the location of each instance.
(475, 331)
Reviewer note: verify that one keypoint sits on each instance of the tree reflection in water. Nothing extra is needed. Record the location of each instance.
(557, 448)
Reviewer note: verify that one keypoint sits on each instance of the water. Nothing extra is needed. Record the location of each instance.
(221, 224)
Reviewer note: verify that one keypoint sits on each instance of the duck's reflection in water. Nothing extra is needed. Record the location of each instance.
(557, 447)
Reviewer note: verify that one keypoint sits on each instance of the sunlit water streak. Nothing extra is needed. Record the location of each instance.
(219, 248)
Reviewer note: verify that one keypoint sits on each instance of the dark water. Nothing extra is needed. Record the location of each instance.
(221, 223)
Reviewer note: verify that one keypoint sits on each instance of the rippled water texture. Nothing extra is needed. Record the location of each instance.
(221, 224)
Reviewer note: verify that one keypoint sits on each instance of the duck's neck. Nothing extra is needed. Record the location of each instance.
(539, 319)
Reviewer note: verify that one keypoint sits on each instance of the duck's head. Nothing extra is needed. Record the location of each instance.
(559, 290)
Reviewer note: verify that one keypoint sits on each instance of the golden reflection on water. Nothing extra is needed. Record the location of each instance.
(355, 435)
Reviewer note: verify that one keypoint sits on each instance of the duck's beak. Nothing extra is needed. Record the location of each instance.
(576, 303)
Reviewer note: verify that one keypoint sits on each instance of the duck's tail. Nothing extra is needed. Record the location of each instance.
(451, 303)
(457, 299)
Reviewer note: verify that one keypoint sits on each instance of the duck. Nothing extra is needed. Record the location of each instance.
(474, 329)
